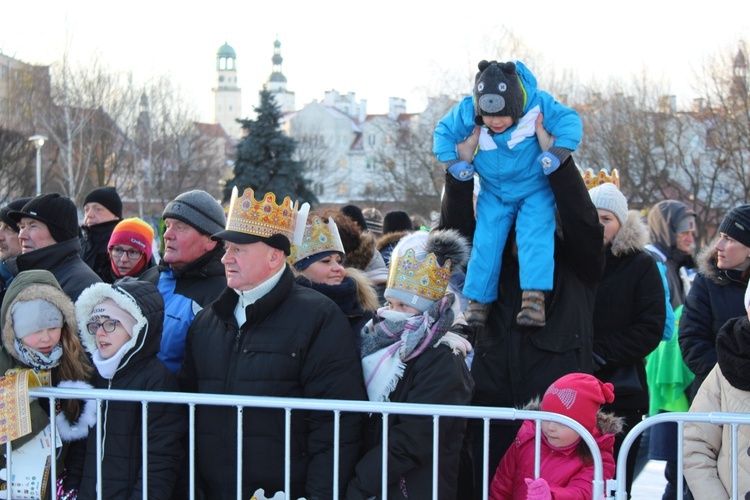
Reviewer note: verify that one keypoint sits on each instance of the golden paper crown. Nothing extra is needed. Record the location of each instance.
(264, 218)
(319, 236)
(592, 180)
(424, 278)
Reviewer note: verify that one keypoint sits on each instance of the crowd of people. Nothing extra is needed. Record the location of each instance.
(266, 298)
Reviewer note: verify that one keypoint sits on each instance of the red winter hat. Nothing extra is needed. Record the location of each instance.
(578, 396)
(135, 233)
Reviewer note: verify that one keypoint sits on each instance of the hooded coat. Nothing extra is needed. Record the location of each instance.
(629, 314)
(715, 296)
(38, 284)
(568, 476)
(515, 190)
(707, 453)
(514, 364)
(138, 370)
(662, 223)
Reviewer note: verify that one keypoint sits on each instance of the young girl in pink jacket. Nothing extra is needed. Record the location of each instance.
(567, 468)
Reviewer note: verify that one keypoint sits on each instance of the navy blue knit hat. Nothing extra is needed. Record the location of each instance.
(736, 224)
(108, 198)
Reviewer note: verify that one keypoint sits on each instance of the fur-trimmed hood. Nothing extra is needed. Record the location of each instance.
(360, 257)
(632, 236)
(35, 284)
(368, 297)
(140, 299)
(607, 423)
(707, 261)
(390, 239)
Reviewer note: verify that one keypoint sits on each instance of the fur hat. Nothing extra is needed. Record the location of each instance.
(108, 198)
(498, 91)
(607, 197)
(58, 212)
(396, 221)
(578, 396)
(374, 220)
(421, 264)
(736, 224)
(198, 209)
(10, 207)
(355, 213)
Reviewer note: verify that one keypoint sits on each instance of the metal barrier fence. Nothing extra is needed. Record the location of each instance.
(290, 404)
(617, 485)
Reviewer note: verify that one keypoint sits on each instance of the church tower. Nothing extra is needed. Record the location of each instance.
(227, 95)
(277, 81)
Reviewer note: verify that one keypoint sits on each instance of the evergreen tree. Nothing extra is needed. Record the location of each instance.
(264, 158)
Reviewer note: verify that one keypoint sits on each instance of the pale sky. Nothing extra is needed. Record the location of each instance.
(375, 49)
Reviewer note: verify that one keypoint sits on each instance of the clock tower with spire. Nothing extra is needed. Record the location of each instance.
(227, 94)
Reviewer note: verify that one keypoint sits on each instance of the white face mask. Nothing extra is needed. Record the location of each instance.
(392, 315)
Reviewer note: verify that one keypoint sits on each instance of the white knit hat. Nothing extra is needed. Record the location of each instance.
(607, 197)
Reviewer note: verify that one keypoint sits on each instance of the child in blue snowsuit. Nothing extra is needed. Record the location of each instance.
(514, 189)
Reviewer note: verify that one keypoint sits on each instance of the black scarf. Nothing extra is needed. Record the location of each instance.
(733, 352)
(344, 294)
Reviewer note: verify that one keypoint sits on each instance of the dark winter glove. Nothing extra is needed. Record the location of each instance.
(551, 159)
(461, 170)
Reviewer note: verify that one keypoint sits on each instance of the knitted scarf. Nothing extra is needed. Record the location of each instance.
(733, 352)
(36, 359)
(387, 345)
(344, 294)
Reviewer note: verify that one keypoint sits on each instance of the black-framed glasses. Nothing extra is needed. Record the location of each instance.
(108, 326)
(132, 254)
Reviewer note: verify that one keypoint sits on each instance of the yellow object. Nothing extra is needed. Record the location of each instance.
(591, 180)
(262, 218)
(319, 236)
(15, 414)
(425, 278)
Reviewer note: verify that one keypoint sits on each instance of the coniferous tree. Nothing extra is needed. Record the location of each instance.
(264, 158)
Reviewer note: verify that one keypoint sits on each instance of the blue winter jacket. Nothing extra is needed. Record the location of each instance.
(511, 171)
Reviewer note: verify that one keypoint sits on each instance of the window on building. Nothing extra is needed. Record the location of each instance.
(230, 63)
(222, 63)
(342, 189)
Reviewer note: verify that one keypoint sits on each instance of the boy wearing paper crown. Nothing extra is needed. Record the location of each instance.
(409, 355)
(501, 115)
(267, 336)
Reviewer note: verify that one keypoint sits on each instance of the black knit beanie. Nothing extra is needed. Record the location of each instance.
(736, 224)
(108, 198)
(59, 213)
(498, 91)
(14, 205)
(397, 221)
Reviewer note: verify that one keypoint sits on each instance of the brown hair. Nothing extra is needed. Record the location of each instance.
(74, 365)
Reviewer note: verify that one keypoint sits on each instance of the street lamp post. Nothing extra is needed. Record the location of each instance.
(38, 142)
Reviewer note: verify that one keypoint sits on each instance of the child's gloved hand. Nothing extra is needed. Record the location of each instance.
(537, 489)
(463, 171)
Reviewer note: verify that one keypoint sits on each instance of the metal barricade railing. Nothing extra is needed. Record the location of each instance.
(191, 400)
(617, 485)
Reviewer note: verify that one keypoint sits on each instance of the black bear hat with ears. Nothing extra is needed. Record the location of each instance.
(498, 91)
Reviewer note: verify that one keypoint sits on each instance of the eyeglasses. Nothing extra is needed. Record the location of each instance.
(132, 254)
(108, 326)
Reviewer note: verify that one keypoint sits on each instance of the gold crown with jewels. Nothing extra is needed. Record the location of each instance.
(591, 180)
(424, 278)
(319, 236)
(265, 217)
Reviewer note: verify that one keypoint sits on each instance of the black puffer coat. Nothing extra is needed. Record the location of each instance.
(437, 376)
(512, 364)
(94, 243)
(63, 261)
(138, 370)
(716, 296)
(630, 311)
(295, 343)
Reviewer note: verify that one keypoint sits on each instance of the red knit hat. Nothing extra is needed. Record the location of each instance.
(578, 396)
(135, 233)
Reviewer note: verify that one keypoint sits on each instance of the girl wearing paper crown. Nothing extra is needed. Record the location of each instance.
(567, 468)
(409, 355)
(39, 332)
(319, 263)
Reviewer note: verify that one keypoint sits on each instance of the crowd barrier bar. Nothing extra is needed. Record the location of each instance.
(288, 405)
(718, 418)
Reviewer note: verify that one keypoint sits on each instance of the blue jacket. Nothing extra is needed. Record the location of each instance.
(511, 171)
